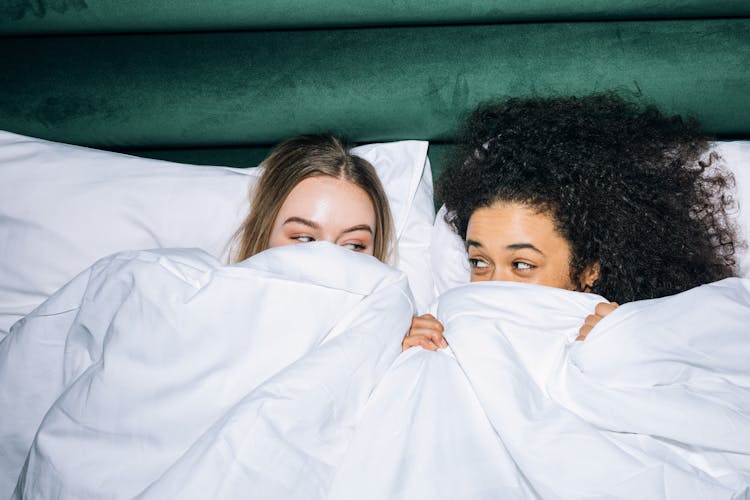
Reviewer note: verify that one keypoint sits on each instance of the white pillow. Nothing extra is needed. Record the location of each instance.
(404, 170)
(450, 262)
(448, 256)
(63, 207)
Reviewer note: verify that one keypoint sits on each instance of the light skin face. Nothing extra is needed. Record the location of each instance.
(512, 242)
(325, 208)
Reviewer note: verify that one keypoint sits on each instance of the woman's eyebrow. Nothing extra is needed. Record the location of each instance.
(300, 220)
(360, 227)
(519, 246)
(473, 243)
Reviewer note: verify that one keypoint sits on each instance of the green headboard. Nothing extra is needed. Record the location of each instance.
(218, 82)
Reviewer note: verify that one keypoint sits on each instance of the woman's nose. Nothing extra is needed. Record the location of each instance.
(329, 238)
(500, 274)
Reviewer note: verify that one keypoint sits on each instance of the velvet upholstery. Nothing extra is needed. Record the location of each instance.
(226, 96)
(82, 16)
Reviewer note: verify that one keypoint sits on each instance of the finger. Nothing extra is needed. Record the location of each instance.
(438, 339)
(427, 322)
(418, 340)
(408, 342)
(583, 332)
(426, 343)
(591, 320)
(435, 336)
(429, 332)
(604, 308)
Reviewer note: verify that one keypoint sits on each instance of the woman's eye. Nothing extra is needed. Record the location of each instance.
(523, 266)
(478, 264)
(357, 247)
(303, 239)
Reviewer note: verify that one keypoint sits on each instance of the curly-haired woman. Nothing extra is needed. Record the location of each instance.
(593, 194)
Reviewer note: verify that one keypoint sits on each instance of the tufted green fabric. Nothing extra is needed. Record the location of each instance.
(218, 82)
(227, 89)
(82, 16)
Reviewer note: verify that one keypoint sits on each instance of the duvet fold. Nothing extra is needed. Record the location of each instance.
(655, 403)
(125, 371)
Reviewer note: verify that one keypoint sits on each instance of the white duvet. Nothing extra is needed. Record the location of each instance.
(654, 404)
(128, 369)
(276, 380)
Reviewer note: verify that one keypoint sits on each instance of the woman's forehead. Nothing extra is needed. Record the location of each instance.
(510, 223)
(323, 199)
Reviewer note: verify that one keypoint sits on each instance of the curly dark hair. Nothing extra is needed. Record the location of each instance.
(629, 187)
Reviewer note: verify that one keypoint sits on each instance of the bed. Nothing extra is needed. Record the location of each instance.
(220, 85)
(85, 81)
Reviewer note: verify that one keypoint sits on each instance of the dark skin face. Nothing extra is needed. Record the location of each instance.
(513, 242)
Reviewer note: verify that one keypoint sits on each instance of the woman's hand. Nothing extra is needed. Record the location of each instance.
(602, 309)
(425, 331)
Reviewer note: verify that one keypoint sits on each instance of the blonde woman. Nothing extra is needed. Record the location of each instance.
(313, 189)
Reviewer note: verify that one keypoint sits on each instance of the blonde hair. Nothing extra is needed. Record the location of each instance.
(295, 160)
